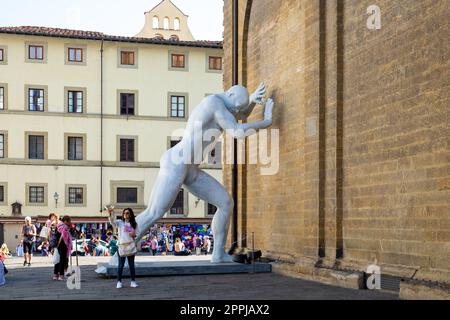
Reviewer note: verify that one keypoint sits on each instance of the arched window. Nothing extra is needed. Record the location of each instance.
(155, 22)
(166, 23)
(159, 36)
(174, 37)
(176, 24)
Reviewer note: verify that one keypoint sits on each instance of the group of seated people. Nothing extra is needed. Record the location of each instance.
(180, 249)
(201, 246)
(94, 247)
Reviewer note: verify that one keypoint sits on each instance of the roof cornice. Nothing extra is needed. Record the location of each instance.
(98, 36)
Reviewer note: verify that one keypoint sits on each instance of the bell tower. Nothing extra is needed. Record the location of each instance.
(166, 21)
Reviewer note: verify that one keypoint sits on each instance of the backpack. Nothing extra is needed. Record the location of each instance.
(53, 241)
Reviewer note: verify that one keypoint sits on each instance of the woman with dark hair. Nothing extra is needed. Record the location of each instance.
(64, 246)
(127, 230)
(180, 248)
(52, 223)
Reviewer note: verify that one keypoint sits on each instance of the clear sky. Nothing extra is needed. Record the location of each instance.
(114, 17)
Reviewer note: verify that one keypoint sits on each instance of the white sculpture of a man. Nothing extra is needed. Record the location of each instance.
(218, 112)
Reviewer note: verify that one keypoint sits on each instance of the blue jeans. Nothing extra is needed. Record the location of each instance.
(122, 264)
(98, 251)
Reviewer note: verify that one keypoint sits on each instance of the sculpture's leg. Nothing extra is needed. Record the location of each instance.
(207, 188)
(165, 190)
(114, 261)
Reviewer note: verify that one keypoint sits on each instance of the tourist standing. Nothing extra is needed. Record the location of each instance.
(162, 246)
(91, 245)
(112, 245)
(64, 247)
(198, 243)
(166, 244)
(194, 241)
(44, 234)
(52, 223)
(4, 254)
(28, 238)
(206, 245)
(170, 242)
(3, 270)
(127, 230)
(154, 245)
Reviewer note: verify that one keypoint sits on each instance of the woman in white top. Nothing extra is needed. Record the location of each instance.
(127, 230)
(206, 245)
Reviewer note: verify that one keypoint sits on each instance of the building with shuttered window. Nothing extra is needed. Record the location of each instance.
(86, 116)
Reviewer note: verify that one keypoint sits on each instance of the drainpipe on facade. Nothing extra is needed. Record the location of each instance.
(235, 82)
(101, 128)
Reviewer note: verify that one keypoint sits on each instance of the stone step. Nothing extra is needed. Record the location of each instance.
(170, 268)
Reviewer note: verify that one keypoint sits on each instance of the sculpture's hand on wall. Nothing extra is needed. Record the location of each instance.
(258, 95)
(268, 110)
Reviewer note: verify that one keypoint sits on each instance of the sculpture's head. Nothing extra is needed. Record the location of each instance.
(238, 101)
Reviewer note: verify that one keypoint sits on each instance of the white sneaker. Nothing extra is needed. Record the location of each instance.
(119, 285)
(134, 284)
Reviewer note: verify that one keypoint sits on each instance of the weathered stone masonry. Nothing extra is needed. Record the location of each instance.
(364, 120)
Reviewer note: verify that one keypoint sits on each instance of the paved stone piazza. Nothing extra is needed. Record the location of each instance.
(25, 283)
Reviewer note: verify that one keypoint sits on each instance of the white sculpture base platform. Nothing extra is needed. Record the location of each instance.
(149, 266)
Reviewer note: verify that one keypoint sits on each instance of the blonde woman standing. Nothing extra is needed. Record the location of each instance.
(28, 237)
(4, 249)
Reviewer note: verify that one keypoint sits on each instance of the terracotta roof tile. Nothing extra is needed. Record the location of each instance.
(53, 31)
(94, 35)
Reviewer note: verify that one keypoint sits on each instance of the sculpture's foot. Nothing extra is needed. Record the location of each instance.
(221, 258)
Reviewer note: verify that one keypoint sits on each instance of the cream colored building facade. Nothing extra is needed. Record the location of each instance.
(131, 95)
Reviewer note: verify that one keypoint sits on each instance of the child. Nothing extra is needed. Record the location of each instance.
(44, 248)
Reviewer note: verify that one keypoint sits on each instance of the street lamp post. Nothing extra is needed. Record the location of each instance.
(56, 197)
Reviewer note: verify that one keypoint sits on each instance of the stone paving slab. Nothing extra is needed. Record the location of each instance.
(35, 283)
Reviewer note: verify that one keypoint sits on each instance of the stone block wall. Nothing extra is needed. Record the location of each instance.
(364, 123)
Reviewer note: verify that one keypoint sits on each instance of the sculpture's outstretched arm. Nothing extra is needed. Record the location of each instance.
(241, 130)
(112, 217)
